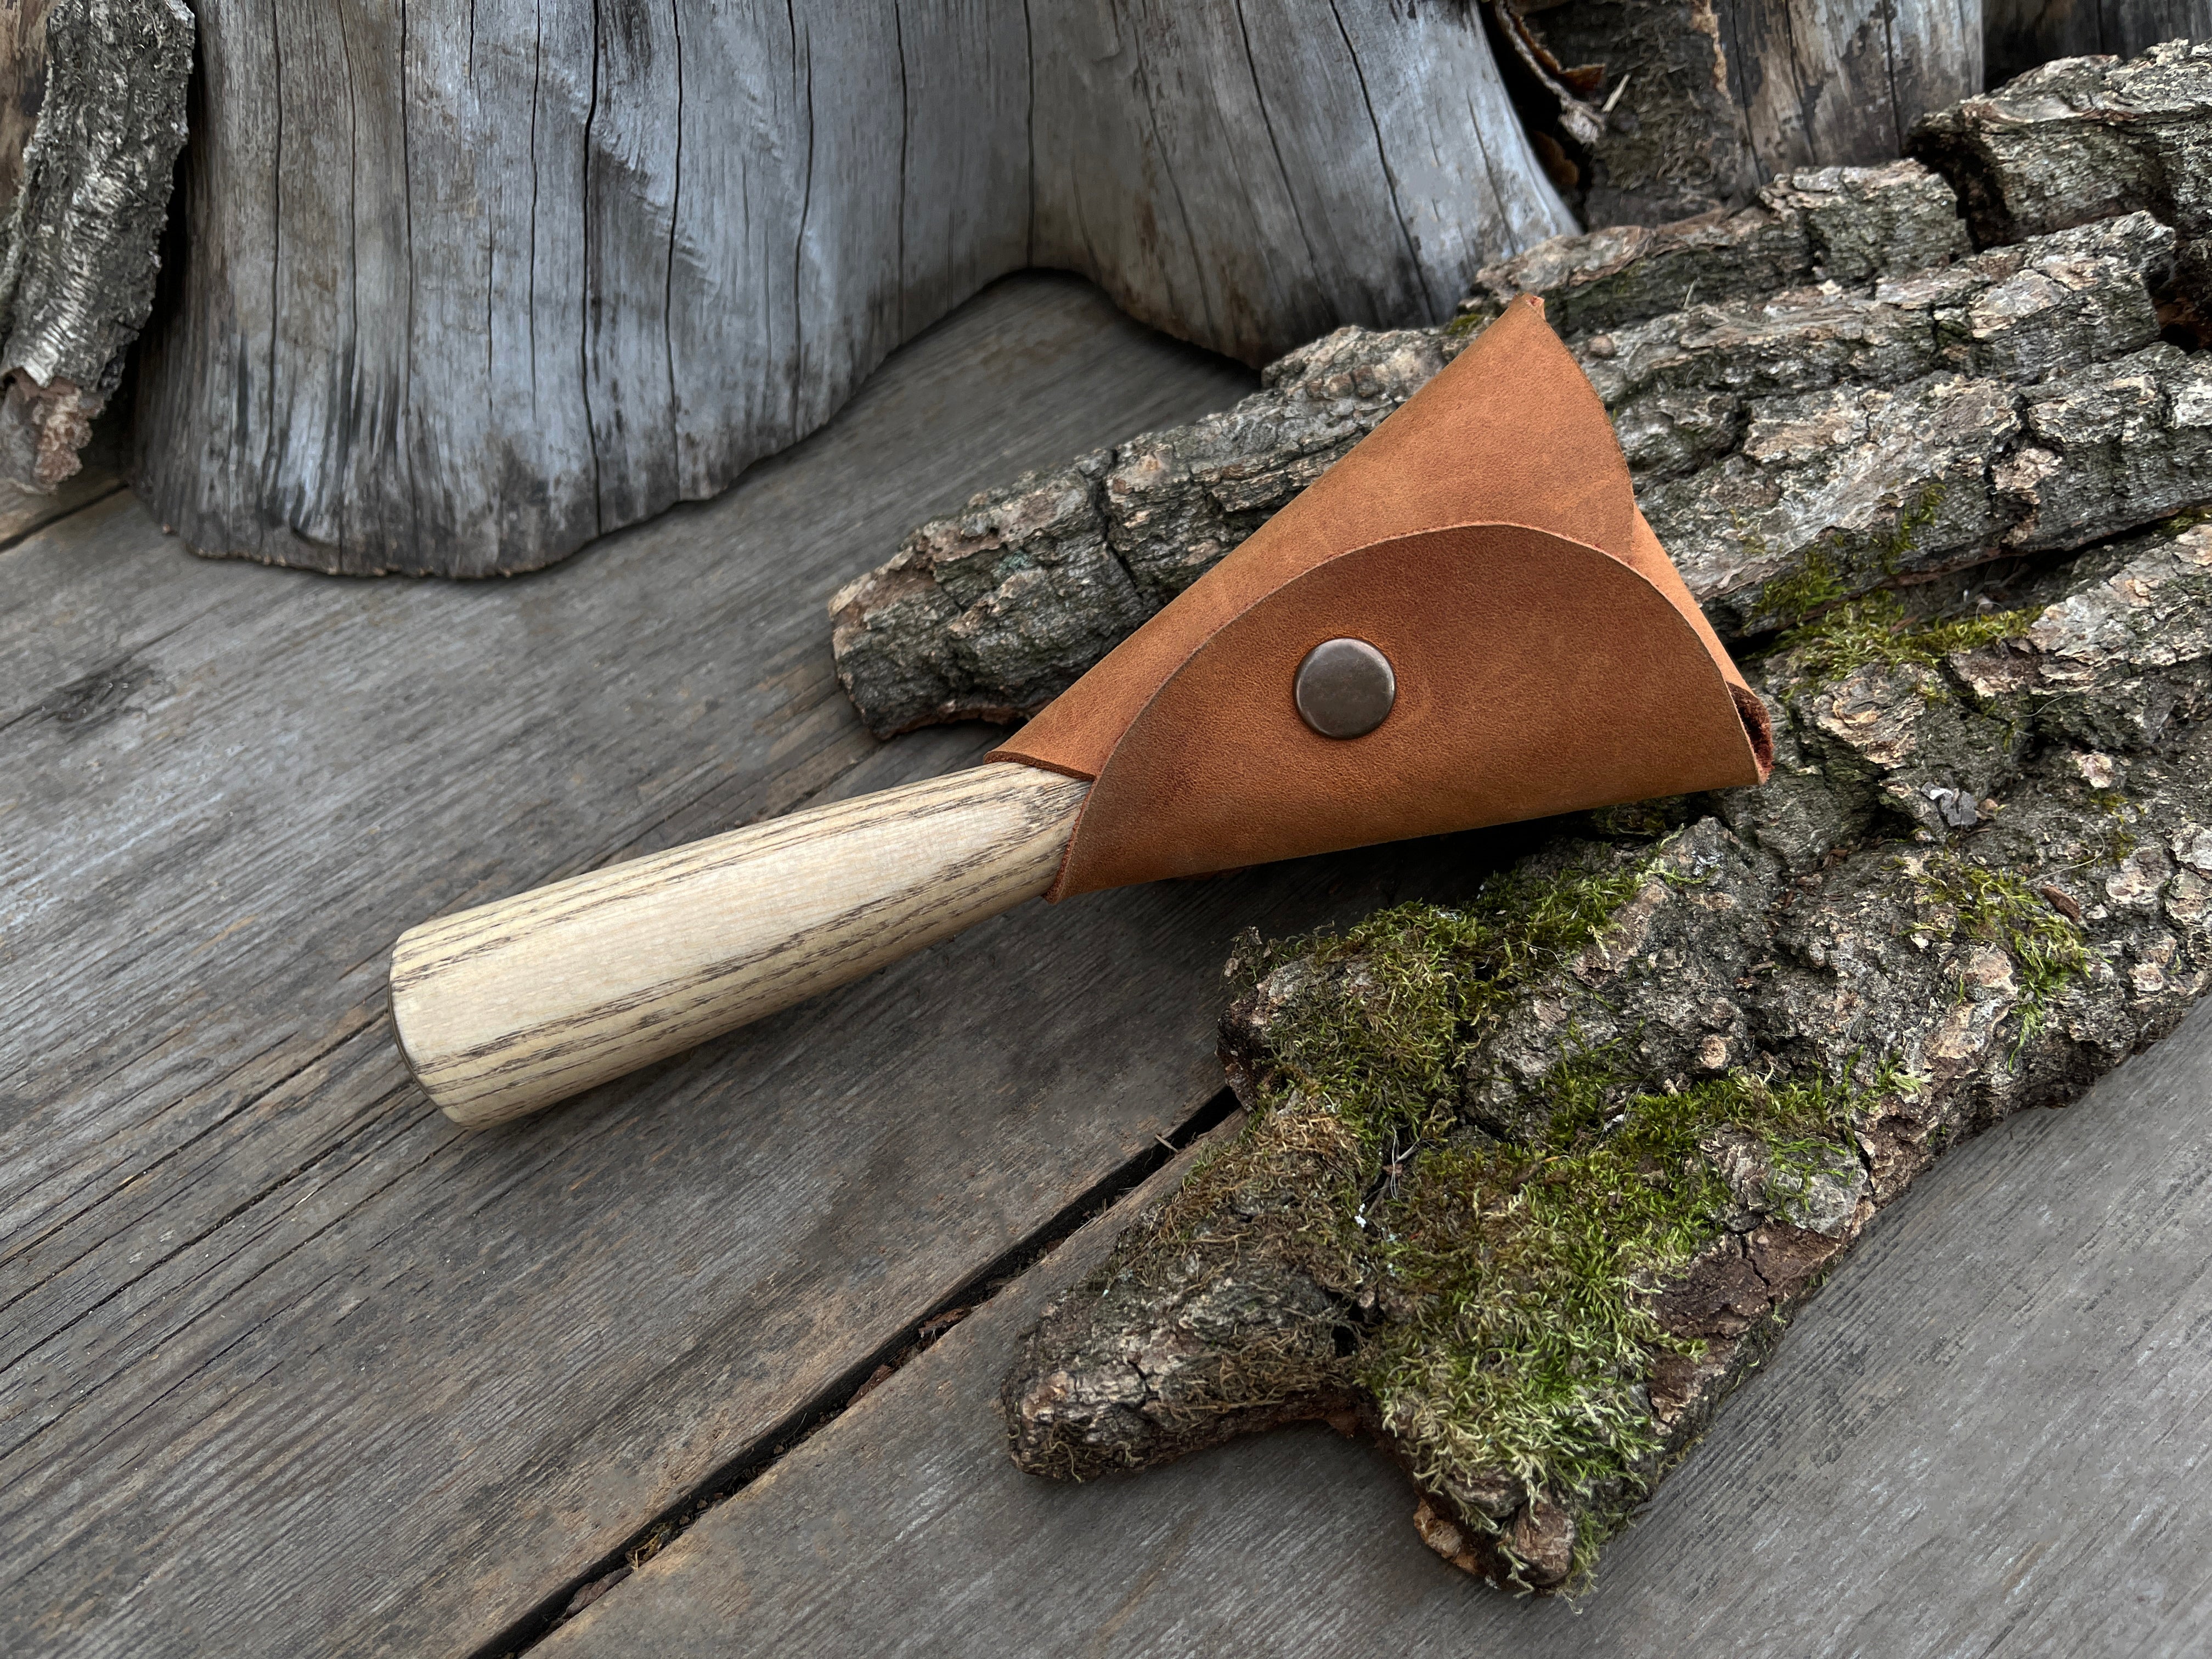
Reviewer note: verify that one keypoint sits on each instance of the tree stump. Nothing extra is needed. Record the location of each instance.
(468, 286)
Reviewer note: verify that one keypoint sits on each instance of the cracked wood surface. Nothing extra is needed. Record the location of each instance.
(469, 286)
(1991, 1418)
(291, 1363)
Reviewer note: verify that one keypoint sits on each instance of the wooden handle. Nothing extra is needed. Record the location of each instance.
(513, 1006)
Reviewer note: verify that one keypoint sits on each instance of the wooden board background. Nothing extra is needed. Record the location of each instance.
(1987, 1435)
(291, 1364)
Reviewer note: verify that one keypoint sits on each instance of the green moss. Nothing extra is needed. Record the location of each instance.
(1468, 324)
(1643, 820)
(1817, 584)
(1811, 588)
(1874, 628)
(1421, 983)
(1969, 632)
(1529, 1272)
(1518, 1278)
(1363, 1062)
(1912, 518)
(1999, 906)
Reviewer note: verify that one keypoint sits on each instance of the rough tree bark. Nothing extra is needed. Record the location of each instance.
(469, 286)
(1981, 877)
(1852, 398)
(92, 114)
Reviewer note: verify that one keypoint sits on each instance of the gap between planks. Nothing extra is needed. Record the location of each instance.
(859, 1379)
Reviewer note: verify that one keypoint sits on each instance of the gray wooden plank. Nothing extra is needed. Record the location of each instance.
(22, 511)
(288, 1362)
(1986, 1437)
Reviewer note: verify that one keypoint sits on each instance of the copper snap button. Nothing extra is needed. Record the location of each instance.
(1345, 688)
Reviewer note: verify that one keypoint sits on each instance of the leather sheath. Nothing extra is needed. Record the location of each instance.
(1485, 538)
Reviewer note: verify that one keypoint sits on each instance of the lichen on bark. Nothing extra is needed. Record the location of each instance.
(1528, 1184)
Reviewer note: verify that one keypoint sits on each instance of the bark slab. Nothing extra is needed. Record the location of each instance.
(92, 116)
(1826, 391)
(1981, 877)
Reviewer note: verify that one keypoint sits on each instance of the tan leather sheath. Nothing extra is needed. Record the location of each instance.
(1485, 538)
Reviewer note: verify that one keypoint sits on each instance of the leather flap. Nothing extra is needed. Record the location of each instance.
(1485, 538)
(1535, 675)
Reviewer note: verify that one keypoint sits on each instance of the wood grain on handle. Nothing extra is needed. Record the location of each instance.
(513, 1006)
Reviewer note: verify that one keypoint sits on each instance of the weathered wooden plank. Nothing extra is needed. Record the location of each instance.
(290, 1363)
(1984, 1436)
(22, 511)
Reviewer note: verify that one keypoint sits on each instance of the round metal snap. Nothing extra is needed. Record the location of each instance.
(1345, 688)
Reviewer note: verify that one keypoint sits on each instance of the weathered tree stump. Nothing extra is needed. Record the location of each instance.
(468, 286)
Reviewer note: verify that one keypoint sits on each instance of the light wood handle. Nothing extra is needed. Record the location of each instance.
(513, 1006)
